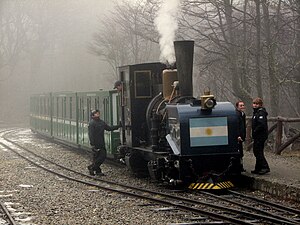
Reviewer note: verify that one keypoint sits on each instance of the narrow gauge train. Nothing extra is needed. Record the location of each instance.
(166, 132)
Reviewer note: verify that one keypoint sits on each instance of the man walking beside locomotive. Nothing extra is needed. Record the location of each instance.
(96, 136)
(240, 110)
(259, 135)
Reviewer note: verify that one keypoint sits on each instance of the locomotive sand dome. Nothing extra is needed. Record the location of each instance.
(169, 77)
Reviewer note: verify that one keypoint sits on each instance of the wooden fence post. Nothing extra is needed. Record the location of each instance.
(278, 139)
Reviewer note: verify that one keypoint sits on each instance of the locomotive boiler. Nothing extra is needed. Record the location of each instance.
(171, 135)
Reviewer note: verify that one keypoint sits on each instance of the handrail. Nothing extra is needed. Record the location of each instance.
(278, 126)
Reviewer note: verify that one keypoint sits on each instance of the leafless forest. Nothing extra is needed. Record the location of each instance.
(243, 49)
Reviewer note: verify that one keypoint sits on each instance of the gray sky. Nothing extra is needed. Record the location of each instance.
(52, 51)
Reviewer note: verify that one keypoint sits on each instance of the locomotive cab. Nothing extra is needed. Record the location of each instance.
(140, 84)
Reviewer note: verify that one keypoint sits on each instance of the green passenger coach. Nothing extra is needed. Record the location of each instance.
(64, 116)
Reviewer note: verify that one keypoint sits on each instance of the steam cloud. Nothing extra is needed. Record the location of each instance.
(166, 24)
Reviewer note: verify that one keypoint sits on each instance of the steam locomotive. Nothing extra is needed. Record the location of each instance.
(172, 135)
(166, 132)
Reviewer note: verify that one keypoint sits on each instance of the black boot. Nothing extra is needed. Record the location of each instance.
(91, 170)
(99, 172)
(264, 171)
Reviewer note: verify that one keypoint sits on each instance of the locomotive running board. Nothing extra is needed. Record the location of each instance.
(210, 186)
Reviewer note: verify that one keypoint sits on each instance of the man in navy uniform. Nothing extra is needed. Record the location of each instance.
(259, 135)
(96, 136)
(240, 111)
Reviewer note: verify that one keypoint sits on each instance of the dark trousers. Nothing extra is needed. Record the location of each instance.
(240, 148)
(241, 151)
(98, 159)
(258, 150)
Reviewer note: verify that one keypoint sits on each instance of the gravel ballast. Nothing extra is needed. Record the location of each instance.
(40, 197)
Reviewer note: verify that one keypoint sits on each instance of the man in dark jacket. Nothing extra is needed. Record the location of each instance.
(96, 136)
(259, 135)
(240, 111)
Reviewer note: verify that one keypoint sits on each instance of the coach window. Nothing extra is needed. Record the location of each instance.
(142, 84)
(74, 109)
(40, 108)
(71, 108)
(57, 107)
(63, 104)
(45, 110)
(65, 107)
(97, 102)
(48, 106)
(105, 113)
(89, 107)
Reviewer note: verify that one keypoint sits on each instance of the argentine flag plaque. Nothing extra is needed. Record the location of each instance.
(208, 131)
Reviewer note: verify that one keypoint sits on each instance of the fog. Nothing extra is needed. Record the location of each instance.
(44, 47)
(76, 45)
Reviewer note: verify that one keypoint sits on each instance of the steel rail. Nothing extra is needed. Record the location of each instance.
(7, 213)
(266, 203)
(150, 198)
(268, 214)
(270, 217)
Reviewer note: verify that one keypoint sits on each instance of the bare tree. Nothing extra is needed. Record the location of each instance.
(271, 45)
(14, 28)
(125, 36)
(243, 48)
(110, 44)
(215, 25)
(297, 49)
(258, 49)
(245, 55)
(285, 31)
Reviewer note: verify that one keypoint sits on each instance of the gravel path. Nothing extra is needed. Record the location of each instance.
(43, 198)
(39, 197)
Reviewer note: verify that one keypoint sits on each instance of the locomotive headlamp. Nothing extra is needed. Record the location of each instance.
(207, 101)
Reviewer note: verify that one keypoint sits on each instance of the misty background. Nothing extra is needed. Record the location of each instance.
(243, 49)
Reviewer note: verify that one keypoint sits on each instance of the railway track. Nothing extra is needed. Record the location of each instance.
(213, 209)
(258, 206)
(6, 216)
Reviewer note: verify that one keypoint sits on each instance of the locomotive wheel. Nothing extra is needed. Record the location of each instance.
(137, 164)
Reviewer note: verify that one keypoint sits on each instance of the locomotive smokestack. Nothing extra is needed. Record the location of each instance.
(184, 53)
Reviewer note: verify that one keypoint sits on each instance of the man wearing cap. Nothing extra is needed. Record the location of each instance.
(118, 85)
(96, 136)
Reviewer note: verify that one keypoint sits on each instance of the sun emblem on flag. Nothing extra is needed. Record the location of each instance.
(208, 131)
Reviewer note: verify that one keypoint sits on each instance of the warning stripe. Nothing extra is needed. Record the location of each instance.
(207, 186)
(191, 185)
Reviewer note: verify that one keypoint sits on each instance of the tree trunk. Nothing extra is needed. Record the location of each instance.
(271, 49)
(244, 66)
(297, 74)
(238, 90)
(258, 49)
